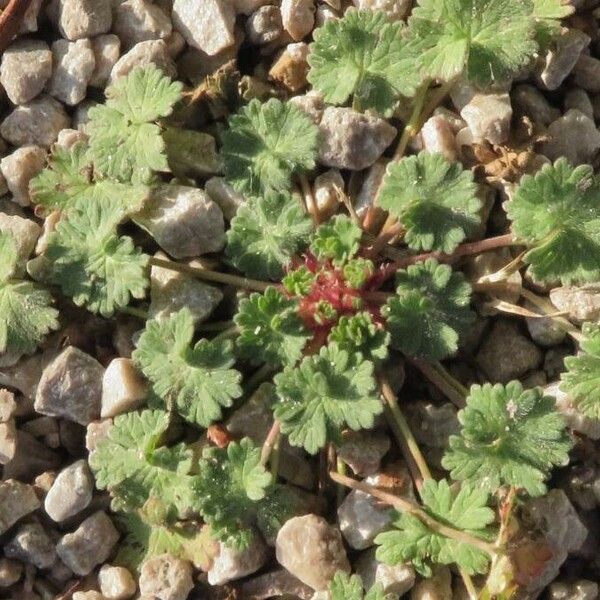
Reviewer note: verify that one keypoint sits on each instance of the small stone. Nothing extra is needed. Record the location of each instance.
(559, 61)
(529, 100)
(488, 116)
(191, 153)
(205, 24)
(70, 493)
(311, 103)
(171, 291)
(311, 550)
(37, 122)
(544, 331)
(96, 432)
(274, 584)
(79, 19)
(370, 187)
(74, 63)
(574, 136)
(16, 500)
(123, 388)
(152, 52)
(506, 353)
(586, 73)
(107, 50)
(176, 44)
(398, 579)
(25, 70)
(116, 583)
(554, 516)
(231, 564)
(574, 418)
(298, 17)
(71, 387)
(166, 578)
(247, 7)
(438, 136)
(396, 10)
(324, 14)
(184, 221)
(31, 458)
(29, 23)
(352, 140)
(19, 168)
(431, 424)
(25, 232)
(68, 138)
(328, 190)
(32, 544)
(138, 21)
(10, 572)
(363, 451)
(8, 441)
(577, 590)
(8, 406)
(264, 26)
(89, 545)
(228, 199)
(436, 587)
(579, 99)
(581, 303)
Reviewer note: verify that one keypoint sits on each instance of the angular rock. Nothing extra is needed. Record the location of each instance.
(37, 122)
(107, 50)
(25, 232)
(184, 221)
(8, 441)
(581, 303)
(396, 10)
(398, 579)
(559, 61)
(586, 73)
(67, 138)
(171, 291)
(311, 550)
(166, 578)
(529, 100)
(554, 516)
(298, 17)
(71, 387)
(19, 168)
(74, 63)
(10, 572)
(224, 195)
(438, 136)
(205, 24)
(352, 140)
(578, 99)
(311, 103)
(152, 52)
(140, 20)
(328, 189)
(31, 458)
(325, 13)
(8, 406)
(574, 136)
(506, 353)
(574, 418)
(17, 500)
(96, 432)
(25, 70)
(488, 116)
(273, 585)
(89, 545)
(231, 564)
(363, 451)
(79, 19)
(30, 18)
(264, 26)
(32, 544)
(70, 493)
(123, 388)
(116, 583)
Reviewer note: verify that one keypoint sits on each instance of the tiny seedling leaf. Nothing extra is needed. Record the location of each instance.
(359, 333)
(337, 240)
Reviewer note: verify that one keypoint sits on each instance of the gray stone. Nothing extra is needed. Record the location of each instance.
(362, 451)
(140, 20)
(578, 99)
(352, 140)
(165, 577)
(396, 10)
(205, 24)
(370, 186)
(37, 122)
(79, 19)
(311, 103)
(574, 418)
(74, 63)
(25, 70)
(32, 544)
(581, 303)
(586, 73)
(81, 116)
(274, 584)
(116, 583)
(298, 17)
(89, 545)
(230, 564)
(431, 424)
(559, 61)
(16, 501)
(123, 388)
(19, 168)
(506, 353)
(311, 550)
(438, 136)
(67, 138)
(228, 199)
(10, 572)
(70, 493)
(152, 52)
(31, 458)
(581, 589)
(554, 516)
(107, 50)
(436, 587)
(488, 116)
(171, 291)
(264, 26)
(544, 331)
(184, 221)
(71, 387)
(529, 100)
(574, 136)
(398, 579)
(96, 432)
(25, 232)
